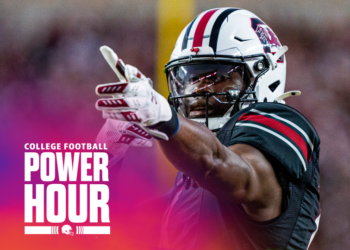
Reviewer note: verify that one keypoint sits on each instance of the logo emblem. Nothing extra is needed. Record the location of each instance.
(195, 50)
(66, 229)
(266, 36)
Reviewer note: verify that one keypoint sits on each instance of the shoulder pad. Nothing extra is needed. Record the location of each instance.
(277, 130)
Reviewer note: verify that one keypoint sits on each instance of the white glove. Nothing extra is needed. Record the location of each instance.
(134, 99)
(119, 136)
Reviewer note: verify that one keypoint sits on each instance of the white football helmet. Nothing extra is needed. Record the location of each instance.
(225, 59)
(66, 229)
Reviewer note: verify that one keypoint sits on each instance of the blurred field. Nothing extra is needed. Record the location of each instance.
(50, 65)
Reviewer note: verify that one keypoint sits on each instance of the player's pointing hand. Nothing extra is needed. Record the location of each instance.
(133, 99)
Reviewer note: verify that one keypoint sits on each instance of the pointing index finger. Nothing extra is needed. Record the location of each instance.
(114, 62)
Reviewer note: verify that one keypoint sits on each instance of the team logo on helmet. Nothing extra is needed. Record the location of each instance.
(266, 36)
(66, 229)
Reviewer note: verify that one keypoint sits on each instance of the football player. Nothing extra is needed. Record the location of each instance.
(248, 164)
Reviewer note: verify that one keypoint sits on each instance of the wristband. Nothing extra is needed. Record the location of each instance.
(170, 128)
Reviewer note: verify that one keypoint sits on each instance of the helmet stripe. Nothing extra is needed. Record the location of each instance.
(198, 36)
(184, 42)
(216, 28)
(210, 25)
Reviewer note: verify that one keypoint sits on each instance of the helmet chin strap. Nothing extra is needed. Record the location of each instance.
(273, 58)
(179, 111)
(228, 112)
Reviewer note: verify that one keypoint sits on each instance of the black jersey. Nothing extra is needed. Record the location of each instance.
(196, 220)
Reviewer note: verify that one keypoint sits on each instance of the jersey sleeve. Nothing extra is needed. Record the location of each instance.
(277, 130)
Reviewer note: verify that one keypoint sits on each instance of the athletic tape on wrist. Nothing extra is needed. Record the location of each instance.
(170, 128)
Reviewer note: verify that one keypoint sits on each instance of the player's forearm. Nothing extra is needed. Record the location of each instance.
(194, 150)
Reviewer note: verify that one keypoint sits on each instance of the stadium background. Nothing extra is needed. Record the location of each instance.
(50, 64)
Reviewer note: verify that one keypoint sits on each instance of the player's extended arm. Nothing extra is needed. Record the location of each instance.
(239, 174)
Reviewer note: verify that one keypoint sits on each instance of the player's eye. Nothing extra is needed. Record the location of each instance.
(222, 78)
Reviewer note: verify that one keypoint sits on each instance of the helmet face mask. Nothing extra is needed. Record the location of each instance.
(215, 72)
(195, 81)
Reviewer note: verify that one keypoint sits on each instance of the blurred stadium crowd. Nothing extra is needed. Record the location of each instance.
(51, 63)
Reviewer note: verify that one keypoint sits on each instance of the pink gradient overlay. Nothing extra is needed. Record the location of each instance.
(134, 225)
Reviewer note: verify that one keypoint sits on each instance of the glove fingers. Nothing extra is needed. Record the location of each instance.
(115, 137)
(136, 131)
(109, 89)
(141, 143)
(119, 89)
(127, 103)
(121, 116)
(139, 116)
